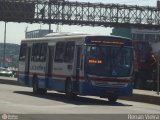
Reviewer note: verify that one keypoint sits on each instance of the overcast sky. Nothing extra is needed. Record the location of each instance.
(16, 31)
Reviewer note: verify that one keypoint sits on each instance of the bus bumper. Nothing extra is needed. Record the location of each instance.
(86, 88)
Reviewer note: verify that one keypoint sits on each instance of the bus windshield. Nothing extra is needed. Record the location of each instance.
(108, 61)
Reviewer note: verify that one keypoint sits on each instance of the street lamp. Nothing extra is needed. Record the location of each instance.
(4, 45)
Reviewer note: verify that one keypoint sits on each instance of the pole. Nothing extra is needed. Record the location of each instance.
(4, 46)
(49, 28)
(158, 73)
(49, 13)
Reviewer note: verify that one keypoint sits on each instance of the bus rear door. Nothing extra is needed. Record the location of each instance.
(77, 67)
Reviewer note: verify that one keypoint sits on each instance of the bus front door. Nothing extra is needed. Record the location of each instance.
(27, 65)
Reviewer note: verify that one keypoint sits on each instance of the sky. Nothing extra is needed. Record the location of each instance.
(16, 31)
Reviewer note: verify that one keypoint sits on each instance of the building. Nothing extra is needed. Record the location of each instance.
(146, 35)
(125, 32)
(37, 33)
(138, 34)
(158, 4)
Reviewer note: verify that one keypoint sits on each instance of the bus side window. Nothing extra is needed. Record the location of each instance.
(60, 50)
(69, 52)
(33, 52)
(43, 51)
(23, 51)
(36, 52)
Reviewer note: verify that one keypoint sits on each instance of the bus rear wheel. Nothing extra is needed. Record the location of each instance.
(112, 99)
(36, 89)
(69, 90)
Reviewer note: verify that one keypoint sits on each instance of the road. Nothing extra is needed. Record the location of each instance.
(15, 99)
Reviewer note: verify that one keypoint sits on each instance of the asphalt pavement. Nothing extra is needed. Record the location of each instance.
(19, 103)
(144, 96)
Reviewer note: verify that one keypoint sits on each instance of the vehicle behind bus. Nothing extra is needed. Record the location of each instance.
(78, 65)
(144, 66)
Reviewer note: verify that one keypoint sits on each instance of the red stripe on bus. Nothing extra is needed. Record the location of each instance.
(80, 77)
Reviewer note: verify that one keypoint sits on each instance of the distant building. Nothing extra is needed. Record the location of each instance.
(138, 34)
(37, 33)
(158, 4)
(125, 32)
(146, 35)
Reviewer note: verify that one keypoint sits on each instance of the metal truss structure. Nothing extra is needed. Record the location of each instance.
(76, 13)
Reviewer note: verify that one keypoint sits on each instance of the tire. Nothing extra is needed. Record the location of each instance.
(37, 90)
(42, 91)
(35, 86)
(112, 99)
(69, 90)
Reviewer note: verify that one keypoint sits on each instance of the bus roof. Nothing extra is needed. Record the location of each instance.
(60, 35)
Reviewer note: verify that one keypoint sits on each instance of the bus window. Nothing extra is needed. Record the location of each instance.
(23, 51)
(35, 50)
(43, 52)
(39, 52)
(69, 52)
(60, 50)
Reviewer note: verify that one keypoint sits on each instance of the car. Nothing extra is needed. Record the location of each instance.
(5, 72)
(15, 72)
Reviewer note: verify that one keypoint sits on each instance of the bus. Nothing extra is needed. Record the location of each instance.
(77, 64)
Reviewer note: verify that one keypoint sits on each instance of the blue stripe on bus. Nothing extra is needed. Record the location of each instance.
(51, 84)
(55, 84)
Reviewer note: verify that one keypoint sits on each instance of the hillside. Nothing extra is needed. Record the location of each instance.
(12, 53)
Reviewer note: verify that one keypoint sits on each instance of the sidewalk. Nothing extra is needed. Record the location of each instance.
(145, 96)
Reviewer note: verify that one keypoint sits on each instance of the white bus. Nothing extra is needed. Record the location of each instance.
(77, 64)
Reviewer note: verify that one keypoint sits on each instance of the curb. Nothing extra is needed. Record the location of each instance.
(143, 98)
